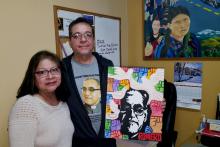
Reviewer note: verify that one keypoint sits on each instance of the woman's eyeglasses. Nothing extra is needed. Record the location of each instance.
(45, 73)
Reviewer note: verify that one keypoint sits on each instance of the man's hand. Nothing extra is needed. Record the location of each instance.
(163, 105)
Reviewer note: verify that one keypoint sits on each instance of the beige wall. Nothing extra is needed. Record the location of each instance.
(186, 120)
(28, 26)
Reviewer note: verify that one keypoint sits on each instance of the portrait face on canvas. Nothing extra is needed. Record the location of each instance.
(134, 113)
(179, 26)
(156, 26)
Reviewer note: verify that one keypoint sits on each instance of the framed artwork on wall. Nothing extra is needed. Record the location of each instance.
(181, 29)
(188, 83)
(107, 32)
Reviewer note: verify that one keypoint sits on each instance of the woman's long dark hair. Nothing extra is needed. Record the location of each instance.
(28, 84)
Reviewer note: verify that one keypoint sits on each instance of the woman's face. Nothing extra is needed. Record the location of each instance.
(180, 26)
(47, 76)
(156, 26)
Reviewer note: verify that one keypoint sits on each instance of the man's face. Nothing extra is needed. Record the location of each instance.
(82, 40)
(135, 112)
(180, 26)
(91, 92)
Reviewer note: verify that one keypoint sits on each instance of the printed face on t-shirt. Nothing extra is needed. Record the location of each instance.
(91, 91)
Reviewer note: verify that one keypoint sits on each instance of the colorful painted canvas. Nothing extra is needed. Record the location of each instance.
(134, 103)
(181, 29)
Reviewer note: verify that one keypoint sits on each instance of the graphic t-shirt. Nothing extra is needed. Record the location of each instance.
(88, 84)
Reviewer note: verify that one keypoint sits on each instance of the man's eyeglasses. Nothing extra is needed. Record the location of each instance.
(86, 35)
(137, 109)
(45, 73)
(90, 89)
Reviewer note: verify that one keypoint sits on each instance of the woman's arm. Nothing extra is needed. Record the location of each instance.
(22, 124)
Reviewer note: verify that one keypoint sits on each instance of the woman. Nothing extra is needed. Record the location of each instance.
(40, 117)
(178, 42)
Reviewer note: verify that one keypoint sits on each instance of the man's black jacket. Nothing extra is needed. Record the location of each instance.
(85, 135)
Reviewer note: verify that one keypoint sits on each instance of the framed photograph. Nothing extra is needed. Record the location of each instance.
(107, 32)
(181, 29)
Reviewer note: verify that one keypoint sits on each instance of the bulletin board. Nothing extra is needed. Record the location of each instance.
(107, 32)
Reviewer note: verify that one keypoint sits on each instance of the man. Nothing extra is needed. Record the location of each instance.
(83, 64)
(135, 113)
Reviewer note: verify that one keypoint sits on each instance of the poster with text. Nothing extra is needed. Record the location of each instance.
(134, 103)
(188, 82)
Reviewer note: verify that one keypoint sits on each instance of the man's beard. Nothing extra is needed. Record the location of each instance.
(133, 127)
